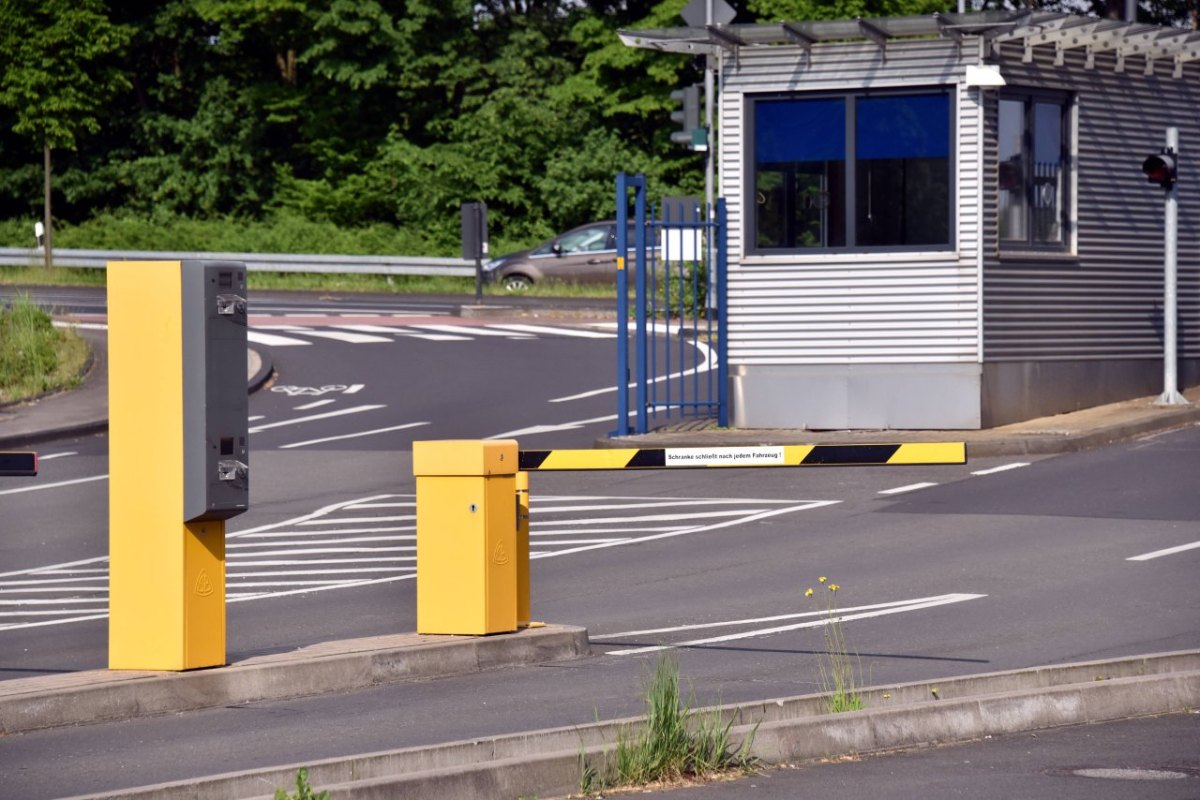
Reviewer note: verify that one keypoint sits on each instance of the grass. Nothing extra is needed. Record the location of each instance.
(673, 744)
(303, 790)
(36, 357)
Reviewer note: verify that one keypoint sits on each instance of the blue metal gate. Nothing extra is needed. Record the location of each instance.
(674, 359)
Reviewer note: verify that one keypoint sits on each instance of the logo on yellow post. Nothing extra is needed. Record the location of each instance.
(204, 586)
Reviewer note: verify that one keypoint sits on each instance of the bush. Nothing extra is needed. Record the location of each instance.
(35, 357)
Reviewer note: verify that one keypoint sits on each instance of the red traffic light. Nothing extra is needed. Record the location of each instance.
(1161, 169)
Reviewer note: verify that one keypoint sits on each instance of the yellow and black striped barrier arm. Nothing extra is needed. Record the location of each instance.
(797, 455)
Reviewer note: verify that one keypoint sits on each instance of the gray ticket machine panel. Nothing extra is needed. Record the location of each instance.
(216, 475)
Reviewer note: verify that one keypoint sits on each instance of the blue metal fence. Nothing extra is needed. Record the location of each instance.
(675, 357)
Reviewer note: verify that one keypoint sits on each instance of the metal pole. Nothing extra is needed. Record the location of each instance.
(710, 155)
(1171, 395)
(622, 306)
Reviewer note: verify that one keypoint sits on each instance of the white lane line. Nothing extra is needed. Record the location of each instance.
(307, 542)
(337, 531)
(475, 331)
(594, 531)
(313, 404)
(313, 561)
(353, 520)
(354, 388)
(543, 543)
(51, 621)
(915, 605)
(709, 363)
(58, 455)
(343, 570)
(358, 506)
(1002, 468)
(256, 418)
(566, 426)
(912, 487)
(697, 528)
(272, 340)
(311, 417)
(353, 435)
(319, 551)
(40, 486)
(1170, 551)
(546, 329)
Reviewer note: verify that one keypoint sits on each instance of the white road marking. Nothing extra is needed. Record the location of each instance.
(256, 417)
(314, 404)
(340, 336)
(57, 455)
(709, 363)
(87, 326)
(1170, 551)
(1002, 468)
(38, 487)
(566, 426)
(354, 435)
(273, 340)
(546, 329)
(737, 512)
(696, 529)
(824, 617)
(311, 417)
(364, 328)
(433, 337)
(311, 552)
(912, 487)
(354, 388)
(475, 331)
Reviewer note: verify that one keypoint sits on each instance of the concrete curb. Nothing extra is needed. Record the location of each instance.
(546, 763)
(100, 695)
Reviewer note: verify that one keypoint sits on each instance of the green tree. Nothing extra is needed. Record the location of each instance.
(60, 71)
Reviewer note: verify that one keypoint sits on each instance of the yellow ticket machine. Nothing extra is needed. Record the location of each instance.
(178, 457)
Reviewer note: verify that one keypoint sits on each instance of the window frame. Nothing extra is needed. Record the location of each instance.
(849, 171)
(1066, 102)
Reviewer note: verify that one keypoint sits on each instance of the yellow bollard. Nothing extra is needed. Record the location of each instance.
(523, 549)
(467, 549)
(177, 457)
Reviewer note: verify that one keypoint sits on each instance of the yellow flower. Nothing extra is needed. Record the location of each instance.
(833, 587)
(808, 593)
(887, 696)
(822, 579)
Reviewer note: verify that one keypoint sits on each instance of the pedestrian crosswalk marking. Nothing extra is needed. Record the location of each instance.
(359, 543)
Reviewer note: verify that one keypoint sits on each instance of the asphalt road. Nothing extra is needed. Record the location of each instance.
(993, 565)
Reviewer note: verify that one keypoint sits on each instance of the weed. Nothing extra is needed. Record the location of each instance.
(668, 746)
(303, 790)
(840, 669)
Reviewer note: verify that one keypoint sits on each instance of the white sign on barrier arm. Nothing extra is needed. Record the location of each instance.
(723, 456)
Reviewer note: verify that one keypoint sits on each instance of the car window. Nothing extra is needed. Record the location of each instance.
(586, 240)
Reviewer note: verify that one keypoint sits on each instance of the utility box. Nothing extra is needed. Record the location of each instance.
(466, 536)
(178, 457)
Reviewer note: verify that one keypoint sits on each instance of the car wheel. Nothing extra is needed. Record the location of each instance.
(517, 283)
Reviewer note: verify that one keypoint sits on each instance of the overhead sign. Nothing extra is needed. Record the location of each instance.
(695, 11)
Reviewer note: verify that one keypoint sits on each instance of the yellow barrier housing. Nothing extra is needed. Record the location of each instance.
(467, 550)
(177, 457)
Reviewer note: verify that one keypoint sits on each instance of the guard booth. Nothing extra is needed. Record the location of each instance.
(941, 221)
(178, 456)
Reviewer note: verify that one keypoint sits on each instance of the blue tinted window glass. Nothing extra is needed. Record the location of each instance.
(788, 131)
(903, 127)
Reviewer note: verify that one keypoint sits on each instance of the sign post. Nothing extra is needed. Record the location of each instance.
(475, 241)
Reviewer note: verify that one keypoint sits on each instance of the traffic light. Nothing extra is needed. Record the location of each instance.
(1161, 168)
(688, 115)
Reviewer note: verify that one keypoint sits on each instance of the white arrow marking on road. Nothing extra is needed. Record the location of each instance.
(1170, 551)
(824, 618)
(311, 417)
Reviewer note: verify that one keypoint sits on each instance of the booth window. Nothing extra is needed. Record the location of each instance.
(1033, 151)
(851, 171)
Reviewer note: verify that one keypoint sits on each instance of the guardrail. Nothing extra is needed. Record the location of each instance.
(255, 262)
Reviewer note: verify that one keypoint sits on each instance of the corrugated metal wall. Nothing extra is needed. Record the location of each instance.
(1107, 302)
(883, 308)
